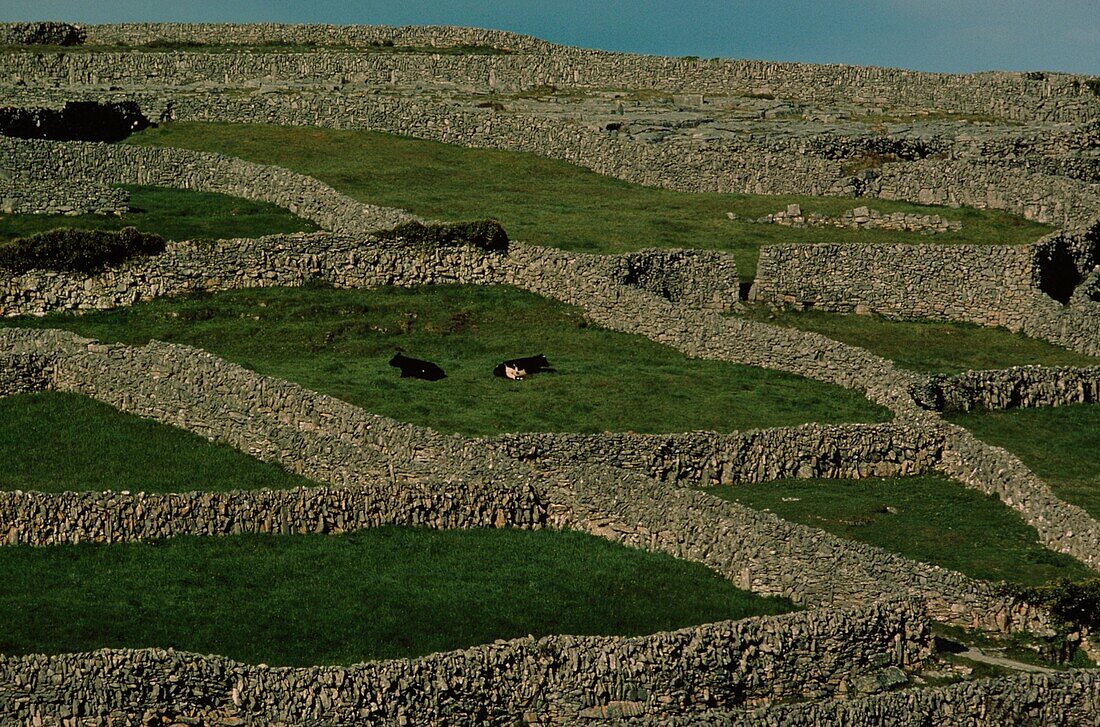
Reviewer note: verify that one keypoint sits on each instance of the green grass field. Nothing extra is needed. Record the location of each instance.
(340, 341)
(935, 520)
(175, 214)
(1060, 444)
(340, 599)
(924, 345)
(550, 202)
(57, 442)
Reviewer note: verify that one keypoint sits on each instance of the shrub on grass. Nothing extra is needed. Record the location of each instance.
(486, 234)
(1075, 603)
(76, 250)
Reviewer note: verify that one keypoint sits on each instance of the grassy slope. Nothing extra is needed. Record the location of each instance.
(550, 202)
(176, 214)
(937, 521)
(384, 593)
(54, 442)
(926, 346)
(1060, 444)
(340, 342)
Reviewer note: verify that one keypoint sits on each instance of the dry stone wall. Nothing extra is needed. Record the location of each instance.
(701, 459)
(763, 553)
(443, 36)
(1011, 96)
(311, 434)
(1061, 526)
(751, 165)
(447, 482)
(990, 285)
(1019, 386)
(1069, 699)
(553, 679)
(987, 285)
(22, 195)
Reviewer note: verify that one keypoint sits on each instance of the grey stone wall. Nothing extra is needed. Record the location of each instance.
(581, 280)
(1069, 699)
(1019, 386)
(180, 168)
(443, 36)
(23, 195)
(439, 481)
(1012, 96)
(700, 459)
(552, 679)
(987, 285)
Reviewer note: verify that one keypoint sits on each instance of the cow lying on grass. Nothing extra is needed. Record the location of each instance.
(417, 369)
(521, 368)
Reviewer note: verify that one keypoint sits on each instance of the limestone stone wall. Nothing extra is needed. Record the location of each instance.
(23, 195)
(581, 280)
(988, 285)
(995, 471)
(700, 459)
(443, 36)
(1019, 386)
(1070, 699)
(554, 679)
(1013, 96)
(750, 165)
(180, 168)
(380, 472)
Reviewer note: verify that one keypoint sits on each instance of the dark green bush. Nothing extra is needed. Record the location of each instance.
(486, 234)
(77, 121)
(45, 33)
(1075, 603)
(77, 251)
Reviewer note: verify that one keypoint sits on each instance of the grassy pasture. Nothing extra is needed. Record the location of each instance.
(555, 203)
(58, 442)
(928, 346)
(175, 214)
(1060, 444)
(340, 599)
(928, 518)
(340, 341)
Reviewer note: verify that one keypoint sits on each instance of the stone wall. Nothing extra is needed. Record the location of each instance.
(984, 184)
(581, 280)
(438, 481)
(750, 165)
(554, 679)
(24, 195)
(1019, 386)
(987, 285)
(1012, 96)
(180, 168)
(442, 36)
(695, 278)
(1069, 699)
(700, 459)
(859, 218)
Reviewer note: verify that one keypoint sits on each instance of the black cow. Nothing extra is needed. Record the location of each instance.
(519, 368)
(417, 369)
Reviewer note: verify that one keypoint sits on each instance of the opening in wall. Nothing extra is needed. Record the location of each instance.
(1058, 272)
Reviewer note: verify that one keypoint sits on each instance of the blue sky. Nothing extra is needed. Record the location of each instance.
(932, 35)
